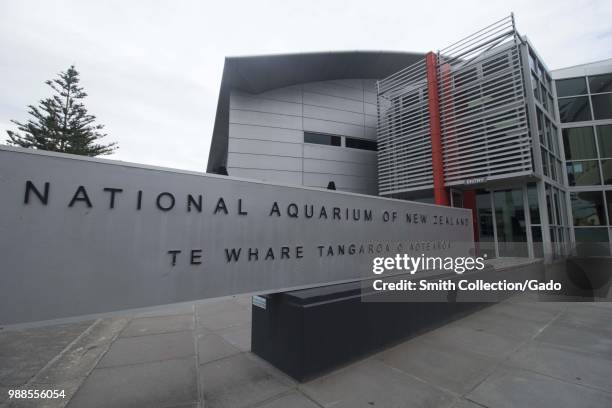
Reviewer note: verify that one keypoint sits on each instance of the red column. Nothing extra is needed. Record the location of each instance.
(440, 196)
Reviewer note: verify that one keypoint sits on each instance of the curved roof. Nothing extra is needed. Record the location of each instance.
(260, 73)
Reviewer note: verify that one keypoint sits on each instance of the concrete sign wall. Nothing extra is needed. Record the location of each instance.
(81, 236)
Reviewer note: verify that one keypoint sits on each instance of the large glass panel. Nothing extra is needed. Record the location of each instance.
(554, 134)
(583, 173)
(536, 237)
(602, 106)
(553, 167)
(545, 165)
(592, 241)
(606, 169)
(574, 109)
(535, 85)
(571, 87)
(579, 143)
(319, 138)
(557, 207)
(609, 203)
(604, 136)
(485, 223)
(543, 96)
(532, 198)
(548, 129)
(360, 144)
(588, 208)
(510, 221)
(600, 83)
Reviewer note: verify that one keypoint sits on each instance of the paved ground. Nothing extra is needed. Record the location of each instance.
(518, 353)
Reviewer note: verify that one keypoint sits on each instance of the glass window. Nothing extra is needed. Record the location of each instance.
(541, 126)
(361, 144)
(553, 169)
(570, 87)
(588, 208)
(602, 106)
(600, 83)
(535, 86)
(604, 136)
(583, 173)
(532, 198)
(579, 143)
(510, 221)
(606, 169)
(319, 138)
(545, 162)
(549, 136)
(574, 109)
(536, 236)
(592, 241)
(609, 202)
(485, 223)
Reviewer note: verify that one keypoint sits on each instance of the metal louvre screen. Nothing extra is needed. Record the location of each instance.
(404, 142)
(483, 111)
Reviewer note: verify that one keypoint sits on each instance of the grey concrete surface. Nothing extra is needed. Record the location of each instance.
(518, 353)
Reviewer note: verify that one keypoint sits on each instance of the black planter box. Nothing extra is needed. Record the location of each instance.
(306, 333)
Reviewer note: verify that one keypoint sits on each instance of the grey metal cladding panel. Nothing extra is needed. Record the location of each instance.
(341, 181)
(369, 85)
(337, 167)
(264, 147)
(329, 88)
(336, 128)
(317, 112)
(370, 133)
(313, 151)
(353, 83)
(369, 97)
(333, 102)
(244, 101)
(371, 121)
(265, 119)
(263, 161)
(272, 176)
(370, 109)
(266, 133)
(287, 94)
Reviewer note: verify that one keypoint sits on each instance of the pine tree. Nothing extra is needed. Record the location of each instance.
(61, 123)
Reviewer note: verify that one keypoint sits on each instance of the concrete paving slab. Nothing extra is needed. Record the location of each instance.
(293, 399)
(154, 347)
(213, 347)
(20, 360)
(167, 310)
(511, 388)
(225, 319)
(586, 340)
(239, 336)
(572, 366)
(158, 324)
(527, 312)
(372, 383)
(237, 381)
(587, 317)
(479, 342)
(463, 403)
(447, 367)
(156, 384)
(501, 325)
(213, 307)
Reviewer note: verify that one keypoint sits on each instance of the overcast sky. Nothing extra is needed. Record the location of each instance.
(152, 68)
